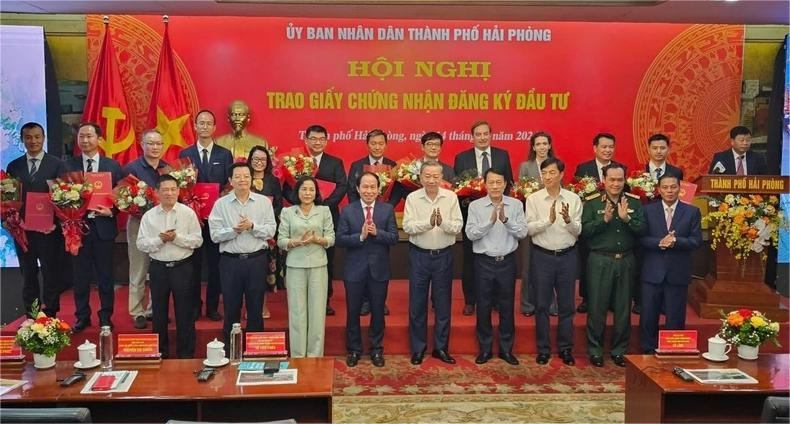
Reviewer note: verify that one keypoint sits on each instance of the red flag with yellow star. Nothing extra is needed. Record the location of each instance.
(106, 105)
(169, 112)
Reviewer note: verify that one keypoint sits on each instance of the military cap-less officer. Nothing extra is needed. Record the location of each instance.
(611, 224)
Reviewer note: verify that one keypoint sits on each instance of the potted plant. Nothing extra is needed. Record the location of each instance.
(748, 329)
(43, 336)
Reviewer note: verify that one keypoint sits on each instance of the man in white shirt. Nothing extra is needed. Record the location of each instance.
(432, 218)
(554, 222)
(242, 223)
(169, 233)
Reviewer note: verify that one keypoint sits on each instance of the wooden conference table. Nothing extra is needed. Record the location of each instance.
(169, 390)
(654, 394)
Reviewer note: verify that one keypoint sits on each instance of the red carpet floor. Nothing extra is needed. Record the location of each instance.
(396, 341)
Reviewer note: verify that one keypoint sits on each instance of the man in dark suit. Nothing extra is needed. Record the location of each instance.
(738, 160)
(658, 150)
(212, 162)
(478, 160)
(330, 170)
(603, 147)
(366, 229)
(96, 253)
(376, 141)
(431, 148)
(33, 169)
(673, 233)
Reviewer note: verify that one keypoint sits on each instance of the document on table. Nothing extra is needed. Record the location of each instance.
(109, 382)
(254, 378)
(6, 385)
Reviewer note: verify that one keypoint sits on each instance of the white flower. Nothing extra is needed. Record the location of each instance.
(139, 201)
(71, 196)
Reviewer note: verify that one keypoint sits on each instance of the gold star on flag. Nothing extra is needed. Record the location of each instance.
(170, 129)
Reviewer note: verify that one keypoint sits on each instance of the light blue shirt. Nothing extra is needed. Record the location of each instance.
(495, 238)
(293, 224)
(227, 212)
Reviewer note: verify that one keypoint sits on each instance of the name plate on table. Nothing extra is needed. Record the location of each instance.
(9, 350)
(39, 212)
(746, 184)
(265, 345)
(134, 347)
(677, 342)
(102, 189)
(208, 193)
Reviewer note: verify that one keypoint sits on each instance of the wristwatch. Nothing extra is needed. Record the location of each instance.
(504, 221)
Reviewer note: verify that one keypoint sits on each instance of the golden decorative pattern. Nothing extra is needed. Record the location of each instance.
(691, 92)
(137, 46)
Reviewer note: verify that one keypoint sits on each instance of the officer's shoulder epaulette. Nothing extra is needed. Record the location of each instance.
(592, 196)
(632, 195)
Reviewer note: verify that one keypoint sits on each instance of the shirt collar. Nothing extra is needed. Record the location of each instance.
(601, 165)
(95, 157)
(251, 197)
(673, 206)
(736, 155)
(439, 195)
(652, 167)
(364, 205)
(371, 159)
(39, 156)
(479, 153)
(200, 147)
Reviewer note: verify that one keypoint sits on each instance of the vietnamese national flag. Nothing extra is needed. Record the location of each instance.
(106, 105)
(169, 112)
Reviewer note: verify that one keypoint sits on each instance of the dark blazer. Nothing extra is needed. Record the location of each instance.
(466, 161)
(330, 169)
(356, 170)
(50, 168)
(668, 168)
(219, 160)
(374, 252)
(672, 265)
(106, 228)
(271, 187)
(590, 169)
(755, 163)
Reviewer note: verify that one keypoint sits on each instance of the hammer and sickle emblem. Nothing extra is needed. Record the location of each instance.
(39, 207)
(108, 143)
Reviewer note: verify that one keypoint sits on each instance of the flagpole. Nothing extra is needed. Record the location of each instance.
(106, 20)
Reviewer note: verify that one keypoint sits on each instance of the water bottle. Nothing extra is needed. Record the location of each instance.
(105, 347)
(235, 344)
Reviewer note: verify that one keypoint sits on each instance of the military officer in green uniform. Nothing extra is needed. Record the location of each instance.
(612, 222)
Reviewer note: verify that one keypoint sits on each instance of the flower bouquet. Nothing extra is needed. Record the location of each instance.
(71, 194)
(585, 186)
(10, 204)
(297, 165)
(748, 327)
(524, 187)
(185, 173)
(43, 335)
(643, 185)
(470, 186)
(407, 174)
(134, 196)
(386, 183)
(744, 223)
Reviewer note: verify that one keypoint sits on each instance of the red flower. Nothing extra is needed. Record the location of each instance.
(43, 320)
(134, 189)
(745, 313)
(299, 166)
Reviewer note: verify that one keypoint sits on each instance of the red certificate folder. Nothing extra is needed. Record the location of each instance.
(326, 188)
(102, 189)
(208, 193)
(687, 192)
(103, 383)
(39, 212)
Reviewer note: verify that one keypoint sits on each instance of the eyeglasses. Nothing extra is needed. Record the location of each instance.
(433, 145)
(258, 160)
(155, 144)
(314, 139)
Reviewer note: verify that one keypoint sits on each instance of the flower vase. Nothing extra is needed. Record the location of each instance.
(43, 362)
(749, 353)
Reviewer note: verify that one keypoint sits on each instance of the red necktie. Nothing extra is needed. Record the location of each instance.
(368, 213)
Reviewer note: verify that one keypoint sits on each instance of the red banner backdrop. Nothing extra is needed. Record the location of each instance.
(408, 77)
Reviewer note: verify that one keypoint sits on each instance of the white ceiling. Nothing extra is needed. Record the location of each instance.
(678, 11)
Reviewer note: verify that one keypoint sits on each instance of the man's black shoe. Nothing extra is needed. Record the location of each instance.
(214, 316)
(377, 359)
(443, 356)
(508, 357)
(139, 322)
(416, 358)
(567, 357)
(329, 311)
(596, 360)
(637, 309)
(352, 359)
(80, 325)
(618, 360)
(582, 308)
(543, 358)
(365, 310)
(528, 314)
(483, 357)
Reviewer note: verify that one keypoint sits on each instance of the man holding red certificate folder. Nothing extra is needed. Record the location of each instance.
(96, 253)
(45, 245)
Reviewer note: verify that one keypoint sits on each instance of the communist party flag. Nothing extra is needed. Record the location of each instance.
(169, 112)
(106, 105)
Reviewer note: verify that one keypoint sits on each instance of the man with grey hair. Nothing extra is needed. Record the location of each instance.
(146, 169)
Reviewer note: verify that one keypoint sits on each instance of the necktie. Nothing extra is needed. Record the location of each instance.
(739, 170)
(205, 157)
(375, 163)
(33, 167)
(486, 164)
(90, 166)
(669, 218)
(658, 173)
(600, 176)
(368, 214)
